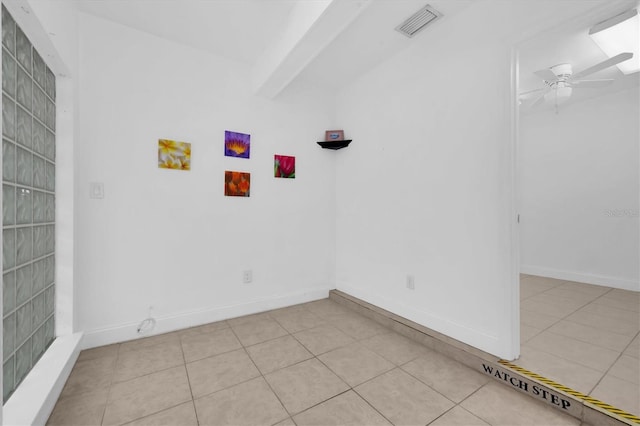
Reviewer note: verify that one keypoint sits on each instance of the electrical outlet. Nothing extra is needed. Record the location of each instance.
(411, 282)
(247, 276)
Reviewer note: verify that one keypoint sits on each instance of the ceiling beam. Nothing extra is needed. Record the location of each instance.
(311, 27)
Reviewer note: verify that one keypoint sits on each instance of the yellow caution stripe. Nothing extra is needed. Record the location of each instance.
(579, 395)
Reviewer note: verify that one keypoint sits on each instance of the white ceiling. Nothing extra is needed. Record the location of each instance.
(372, 38)
(236, 29)
(243, 30)
(570, 43)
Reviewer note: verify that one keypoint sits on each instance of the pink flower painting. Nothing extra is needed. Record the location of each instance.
(284, 166)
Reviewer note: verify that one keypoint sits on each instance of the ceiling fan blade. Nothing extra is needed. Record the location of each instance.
(602, 65)
(528, 92)
(591, 84)
(547, 75)
(539, 99)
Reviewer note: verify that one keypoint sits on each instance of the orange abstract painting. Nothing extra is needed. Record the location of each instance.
(237, 184)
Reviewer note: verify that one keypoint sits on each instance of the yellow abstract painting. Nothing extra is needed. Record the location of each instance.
(174, 155)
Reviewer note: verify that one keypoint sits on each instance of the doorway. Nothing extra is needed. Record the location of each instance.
(578, 190)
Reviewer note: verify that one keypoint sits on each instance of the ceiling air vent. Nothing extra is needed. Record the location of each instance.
(418, 21)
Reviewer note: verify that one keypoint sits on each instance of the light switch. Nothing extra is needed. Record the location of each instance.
(96, 190)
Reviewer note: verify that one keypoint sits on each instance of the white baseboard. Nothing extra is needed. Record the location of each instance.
(615, 282)
(128, 331)
(33, 401)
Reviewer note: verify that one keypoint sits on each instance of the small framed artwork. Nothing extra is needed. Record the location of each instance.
(334, 135)
(174, 155)
(237, 184)
(237, 144)
(284, 166)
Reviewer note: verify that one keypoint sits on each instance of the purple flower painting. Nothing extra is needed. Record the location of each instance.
(236, 144)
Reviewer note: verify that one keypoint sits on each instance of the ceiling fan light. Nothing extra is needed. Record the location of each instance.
(618, 35)
(558, 95)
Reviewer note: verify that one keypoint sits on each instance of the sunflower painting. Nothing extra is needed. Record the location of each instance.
(284, 166)
(174, 155)
(237, 184)
(236, 144)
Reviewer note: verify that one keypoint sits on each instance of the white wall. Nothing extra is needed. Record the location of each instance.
(424, 189)
(170, 238)
(580, 186)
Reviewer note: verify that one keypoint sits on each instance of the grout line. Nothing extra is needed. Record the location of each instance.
(113, 373)
(469, 396)
(184, 360)
(371, 405)
(614, 363)
(263, 377)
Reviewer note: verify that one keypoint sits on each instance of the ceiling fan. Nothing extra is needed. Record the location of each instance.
(560, 81)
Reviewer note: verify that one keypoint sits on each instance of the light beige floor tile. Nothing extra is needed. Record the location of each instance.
(84, 409)
(148, 359)
(142, 396)
(203, 345)
(286, 422)
(253, 332)
(327, 309)
(294, 320)
(89, 375)
(395, 347)
(458, 416)
(620, 315)
(355, 363)
(497, 405)
(626, 368)
(633, 349)
(626, 304)
(566, 293)
(303, 385)
(278, 353)
(359, 327)
(528, 289)
(249, 403)
(602, 322)
(527, 332)
(621, 294)
(183, 415)
(543, 282)
(109, 351)
(134, 345)
(537, 320)
(206, 328)
(586, 289)
(219, 372)
(403, 399)
(566, 372)
(619, 393)
(450, 378)
(586, 354)
(322, 339)
(345, 409)
(605, 339)
(249, 318)
(558, 307)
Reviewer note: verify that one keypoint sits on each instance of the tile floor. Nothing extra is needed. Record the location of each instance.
(583, 336)
(311, 364)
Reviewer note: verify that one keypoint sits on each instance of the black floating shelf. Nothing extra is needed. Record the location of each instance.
(335, 144)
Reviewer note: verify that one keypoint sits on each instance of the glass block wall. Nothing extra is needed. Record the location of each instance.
(28, 177)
